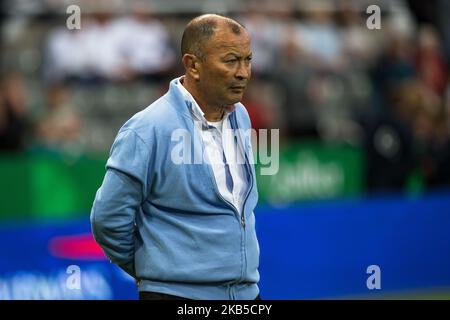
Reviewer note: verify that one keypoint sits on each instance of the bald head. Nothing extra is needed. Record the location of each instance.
(201, 29)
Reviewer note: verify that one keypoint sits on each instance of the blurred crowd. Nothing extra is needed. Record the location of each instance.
(318, 73)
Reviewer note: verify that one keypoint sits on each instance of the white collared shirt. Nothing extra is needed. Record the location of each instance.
(220, 142)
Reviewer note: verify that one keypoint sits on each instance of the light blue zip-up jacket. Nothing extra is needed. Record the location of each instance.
(166, 224)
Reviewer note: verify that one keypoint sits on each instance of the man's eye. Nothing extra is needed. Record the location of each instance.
(231, 61)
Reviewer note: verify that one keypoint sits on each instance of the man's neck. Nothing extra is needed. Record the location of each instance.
(212, 113)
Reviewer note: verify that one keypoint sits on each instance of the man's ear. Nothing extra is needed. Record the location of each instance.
(191, 64)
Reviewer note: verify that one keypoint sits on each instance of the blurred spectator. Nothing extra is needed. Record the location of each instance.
(59, 127)
(108, 48)
(430, 61)
(360, 46)
(394, 66)
(88, 53)
(389, 143)
(432, 139)
(261, 107)
(144, 43)
(319, 34)
(435, 13)
(266, 32)
(13, 113)
(293, 73)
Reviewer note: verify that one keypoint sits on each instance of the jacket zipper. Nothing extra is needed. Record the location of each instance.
(221, 197)
(249, 169)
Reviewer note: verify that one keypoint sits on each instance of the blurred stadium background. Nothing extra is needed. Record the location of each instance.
(364, 119)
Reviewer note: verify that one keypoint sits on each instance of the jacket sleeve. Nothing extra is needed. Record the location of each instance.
(119, 199)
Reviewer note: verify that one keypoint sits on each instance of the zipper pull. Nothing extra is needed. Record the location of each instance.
(242, 220)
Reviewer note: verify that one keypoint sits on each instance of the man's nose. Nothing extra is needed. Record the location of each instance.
(243, 72)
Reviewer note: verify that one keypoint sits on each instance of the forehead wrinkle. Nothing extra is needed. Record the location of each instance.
(227, 46)
(224, 40)
(230, 37)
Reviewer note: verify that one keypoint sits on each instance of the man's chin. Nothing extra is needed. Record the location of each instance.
(231, 103)
(234, 99)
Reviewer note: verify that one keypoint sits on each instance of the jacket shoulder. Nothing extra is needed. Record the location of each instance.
(159, 117)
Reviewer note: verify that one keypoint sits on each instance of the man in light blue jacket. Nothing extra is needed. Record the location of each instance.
(175, 209)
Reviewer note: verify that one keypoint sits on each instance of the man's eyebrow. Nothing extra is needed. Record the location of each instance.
(231, 54)
(238, 55)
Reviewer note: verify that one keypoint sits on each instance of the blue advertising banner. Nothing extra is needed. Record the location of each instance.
(347, 248)
(390, 247)
(58, 261)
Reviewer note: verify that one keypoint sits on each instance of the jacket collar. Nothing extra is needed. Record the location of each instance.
(186, 105)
